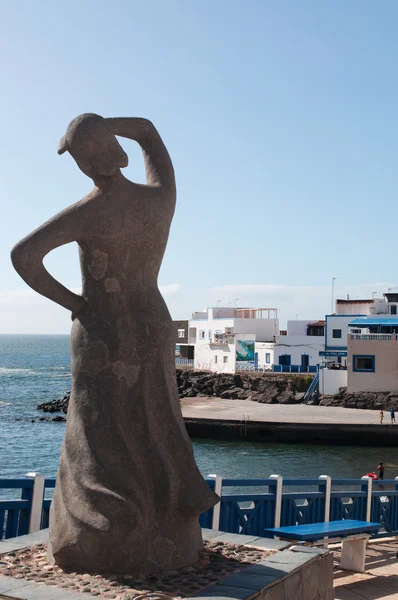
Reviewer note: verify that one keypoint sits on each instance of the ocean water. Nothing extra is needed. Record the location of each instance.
(35, 369)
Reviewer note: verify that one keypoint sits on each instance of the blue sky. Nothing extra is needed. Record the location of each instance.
(280, 118)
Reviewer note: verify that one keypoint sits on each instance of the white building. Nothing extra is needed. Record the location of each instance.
(352, 317)
(337, 326)
(299, 350)
(225, 337)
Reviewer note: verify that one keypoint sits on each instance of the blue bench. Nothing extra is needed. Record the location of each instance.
(354, 535)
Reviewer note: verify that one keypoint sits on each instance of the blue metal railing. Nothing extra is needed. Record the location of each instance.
(294, 369)
(15, 514)
(247, 506)
(187, 362)
(313, 389)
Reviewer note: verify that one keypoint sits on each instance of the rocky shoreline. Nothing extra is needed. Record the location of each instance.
(364, 400)
(269, 388)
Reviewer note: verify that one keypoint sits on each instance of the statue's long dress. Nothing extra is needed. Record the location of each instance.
(128, 493)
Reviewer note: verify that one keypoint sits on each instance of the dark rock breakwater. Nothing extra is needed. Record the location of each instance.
(364, 400)
(270, 388)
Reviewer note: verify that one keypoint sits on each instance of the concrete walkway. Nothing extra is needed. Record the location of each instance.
(235, 410)
(379, 582)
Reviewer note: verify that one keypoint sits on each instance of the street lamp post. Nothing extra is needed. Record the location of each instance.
(333, 280)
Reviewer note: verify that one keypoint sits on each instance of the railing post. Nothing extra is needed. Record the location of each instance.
(36, 508)
(328, 488)
(278, 499)
(368, 497)
(217, 508)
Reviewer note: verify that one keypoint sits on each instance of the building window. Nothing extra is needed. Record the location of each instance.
(210, 332)
(268, 358)
(363, 364)
(393, 309)
(181, 333)
(336, 333)
(225, 360)
(316, 330)
(216, 358)
(202, 334)
(285, 360)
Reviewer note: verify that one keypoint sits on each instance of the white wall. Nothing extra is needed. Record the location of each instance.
(353, 308)
(297, 327)
(263, 329)
(262, 349)
(330, 381)
(337, 322)
(205, 358)
(296, 345)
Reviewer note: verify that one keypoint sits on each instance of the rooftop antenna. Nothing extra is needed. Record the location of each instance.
(236, 299)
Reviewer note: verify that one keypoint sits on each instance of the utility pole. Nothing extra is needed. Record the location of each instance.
(333, 280)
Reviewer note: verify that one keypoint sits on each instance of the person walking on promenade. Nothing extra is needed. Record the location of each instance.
(381, 415)
(392, 415)
(380, 471)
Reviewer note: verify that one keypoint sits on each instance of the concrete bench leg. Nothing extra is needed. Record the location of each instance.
(353, 554)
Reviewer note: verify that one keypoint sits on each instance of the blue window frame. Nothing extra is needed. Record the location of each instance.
(393, 309)
(201, 334)
(268, 358)
(285, 360)
(336, 333)
(363, 363)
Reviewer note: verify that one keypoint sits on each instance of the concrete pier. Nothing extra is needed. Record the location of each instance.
(250, 421)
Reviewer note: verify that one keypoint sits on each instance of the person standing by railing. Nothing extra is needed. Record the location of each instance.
(392, 415)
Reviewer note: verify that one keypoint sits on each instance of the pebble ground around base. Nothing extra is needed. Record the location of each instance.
(222, 555)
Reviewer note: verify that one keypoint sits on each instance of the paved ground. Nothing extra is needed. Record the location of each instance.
(379, 582)
(216, 408)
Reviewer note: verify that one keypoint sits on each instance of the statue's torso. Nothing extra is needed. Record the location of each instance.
(123, 249)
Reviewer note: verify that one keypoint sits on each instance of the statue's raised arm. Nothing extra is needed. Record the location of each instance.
(158, 165)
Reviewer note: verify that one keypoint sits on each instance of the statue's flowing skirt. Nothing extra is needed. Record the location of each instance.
(128, 493)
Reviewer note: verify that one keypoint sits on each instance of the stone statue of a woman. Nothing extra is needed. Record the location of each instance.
(128, 493)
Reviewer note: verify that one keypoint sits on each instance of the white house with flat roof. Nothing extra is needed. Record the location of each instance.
(225, 337)
(299, 350)
(337, 325)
